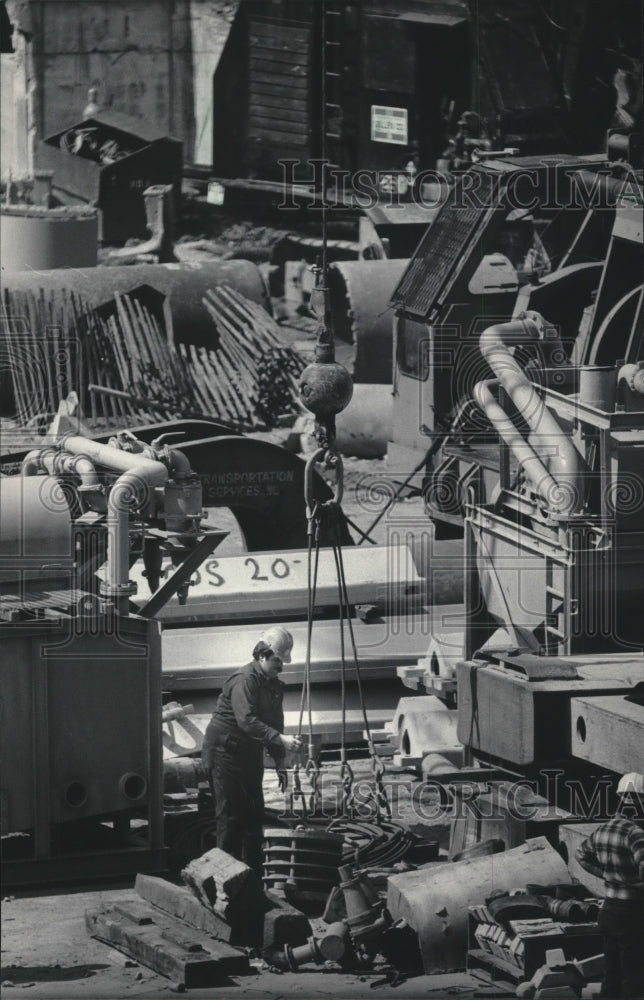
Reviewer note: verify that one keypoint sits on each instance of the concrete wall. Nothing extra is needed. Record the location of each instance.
(14, 154)
(148, 58)
(211, 21)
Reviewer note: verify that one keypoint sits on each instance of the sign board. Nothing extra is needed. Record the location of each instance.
(389, 125)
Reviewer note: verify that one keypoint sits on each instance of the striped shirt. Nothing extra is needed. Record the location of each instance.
(617, 847)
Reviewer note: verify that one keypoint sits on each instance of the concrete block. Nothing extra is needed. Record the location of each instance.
(424, 725)
(557, 977)
(591, 991)
(225, 885)
(283, 924)
(503, 713)
(180, 902)
(555, 958)
(182, 954)
(593, 722)
(435, 901)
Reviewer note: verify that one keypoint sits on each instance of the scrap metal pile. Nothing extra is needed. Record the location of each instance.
(315, 907)
(123, 362)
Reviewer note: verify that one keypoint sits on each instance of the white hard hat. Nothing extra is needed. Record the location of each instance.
(631, 782)
(280, 641)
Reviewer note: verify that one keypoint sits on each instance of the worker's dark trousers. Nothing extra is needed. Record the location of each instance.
(236, 775)
(621, 921)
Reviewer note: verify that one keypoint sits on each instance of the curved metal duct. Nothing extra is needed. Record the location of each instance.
(548, 457)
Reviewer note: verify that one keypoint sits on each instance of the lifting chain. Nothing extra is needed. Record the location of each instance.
(312, 772)
(309, 801)
(346, 779)
(378, 770)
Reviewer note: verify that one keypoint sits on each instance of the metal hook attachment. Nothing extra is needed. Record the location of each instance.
(346, 778)
(332, 460)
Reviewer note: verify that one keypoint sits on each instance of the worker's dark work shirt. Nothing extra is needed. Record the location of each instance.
(617, 847)
(250, 708)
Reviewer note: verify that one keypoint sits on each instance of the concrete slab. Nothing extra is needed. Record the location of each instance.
(204, 656)
(260, 583)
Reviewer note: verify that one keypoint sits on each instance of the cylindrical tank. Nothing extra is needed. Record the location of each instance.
(184, 285)
(35, 238)
(36, 542)
(364, 428)
(598, 386)
(361, 316)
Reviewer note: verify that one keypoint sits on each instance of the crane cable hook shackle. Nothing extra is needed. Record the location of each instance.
(326, 388)
(332, 460)
(317, 513)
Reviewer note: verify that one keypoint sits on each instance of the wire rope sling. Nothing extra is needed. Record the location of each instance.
(326, 389)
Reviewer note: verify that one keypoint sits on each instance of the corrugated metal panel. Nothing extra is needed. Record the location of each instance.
(279, 79)
(442, 247)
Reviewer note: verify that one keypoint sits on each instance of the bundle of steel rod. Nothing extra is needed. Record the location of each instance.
(261, 373)
(41, 353)
(153, 380)
(116, 358)
(122, 362)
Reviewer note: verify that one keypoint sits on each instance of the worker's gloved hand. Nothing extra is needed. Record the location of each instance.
(282, 778)
(291, 742)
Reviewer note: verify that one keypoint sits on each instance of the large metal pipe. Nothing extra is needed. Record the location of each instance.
(36, 536)
(138, 475)
(364, 428)
(184, 286)
(557, 476)
(52, 461)
(361, 316)
(34, 237)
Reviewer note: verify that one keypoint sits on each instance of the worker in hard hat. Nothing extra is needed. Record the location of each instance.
(615, 853)
(248, 718)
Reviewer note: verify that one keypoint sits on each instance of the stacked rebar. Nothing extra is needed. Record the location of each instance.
(263, 371)
(40, 354)
(122, 362)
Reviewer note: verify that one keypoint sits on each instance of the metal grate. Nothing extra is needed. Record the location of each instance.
(443, 245)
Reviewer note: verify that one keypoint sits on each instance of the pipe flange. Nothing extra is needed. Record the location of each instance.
(118, 589)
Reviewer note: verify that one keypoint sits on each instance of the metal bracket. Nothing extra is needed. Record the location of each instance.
(182, 573)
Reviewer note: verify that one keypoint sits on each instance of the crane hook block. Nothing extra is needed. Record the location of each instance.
(325, 388)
